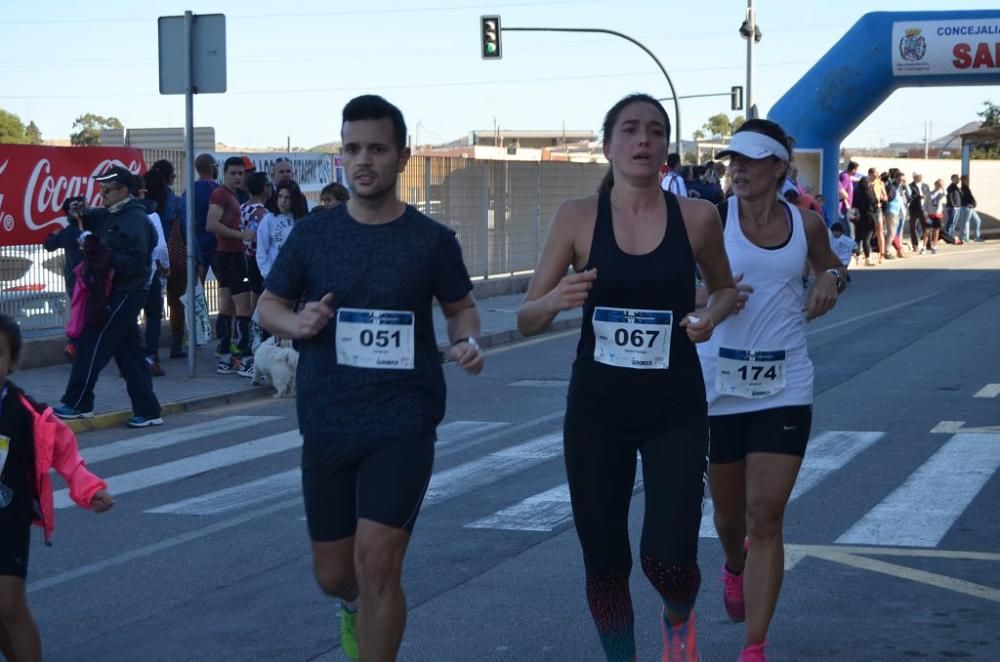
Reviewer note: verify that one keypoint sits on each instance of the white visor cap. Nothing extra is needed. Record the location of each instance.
(754, 145)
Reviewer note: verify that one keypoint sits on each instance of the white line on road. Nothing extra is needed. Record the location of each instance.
(881, 311)
(540, 512)
(193, 465)
(827, 452)
(493, 467)
(149, 550)
(921, 511)
(445, 484)
(456, 431)
(988, 391)
(171, 437)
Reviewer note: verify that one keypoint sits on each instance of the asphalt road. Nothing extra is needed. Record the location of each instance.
(893, 540)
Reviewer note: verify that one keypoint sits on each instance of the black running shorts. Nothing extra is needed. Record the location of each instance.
(382, 480)
(15, 540)
(782, 430)
(231, 271)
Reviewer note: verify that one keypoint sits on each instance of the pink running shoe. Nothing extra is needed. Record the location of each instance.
(732, 595)
(753, 653)
(680, 643)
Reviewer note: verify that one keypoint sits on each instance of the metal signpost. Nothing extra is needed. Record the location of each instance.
(192, 52)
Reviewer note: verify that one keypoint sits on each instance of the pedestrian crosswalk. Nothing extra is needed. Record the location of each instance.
(918, 512)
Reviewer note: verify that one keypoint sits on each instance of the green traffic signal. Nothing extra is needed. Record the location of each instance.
(490, 32)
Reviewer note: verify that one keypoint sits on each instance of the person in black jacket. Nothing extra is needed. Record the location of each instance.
(128, 236)
(953, 205)
(969, 213)
(866, 204)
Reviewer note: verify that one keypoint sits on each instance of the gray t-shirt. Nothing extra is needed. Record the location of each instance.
(402, 265)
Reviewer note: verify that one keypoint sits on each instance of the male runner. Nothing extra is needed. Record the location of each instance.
(370, 388)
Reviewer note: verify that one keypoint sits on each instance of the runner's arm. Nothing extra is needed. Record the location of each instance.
(278, 316)
(705, 231)
(463, 333)
(824, 292)
(551, 290)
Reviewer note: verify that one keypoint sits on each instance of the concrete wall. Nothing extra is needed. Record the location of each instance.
(984, 179)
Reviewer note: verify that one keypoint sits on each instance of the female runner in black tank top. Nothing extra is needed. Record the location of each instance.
(636, 385)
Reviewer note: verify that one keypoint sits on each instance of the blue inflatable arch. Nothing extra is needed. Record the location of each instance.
(884, 51)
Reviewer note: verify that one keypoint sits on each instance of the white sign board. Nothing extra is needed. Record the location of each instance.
(312, 171)
(208, 54)
(933, 48)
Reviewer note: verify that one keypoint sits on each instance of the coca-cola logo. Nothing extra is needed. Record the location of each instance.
(46, 192)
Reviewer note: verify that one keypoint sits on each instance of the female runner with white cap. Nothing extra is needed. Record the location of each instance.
(758, 375)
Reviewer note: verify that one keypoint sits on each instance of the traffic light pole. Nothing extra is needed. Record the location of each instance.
(677, 107)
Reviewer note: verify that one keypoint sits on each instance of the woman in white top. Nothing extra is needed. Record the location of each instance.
(758, 376)
(274, 229)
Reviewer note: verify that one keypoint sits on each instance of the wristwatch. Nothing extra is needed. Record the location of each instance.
(841, 283)
(469, 339)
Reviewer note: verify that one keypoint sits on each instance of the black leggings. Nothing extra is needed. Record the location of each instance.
(601, 473)
(863, 236)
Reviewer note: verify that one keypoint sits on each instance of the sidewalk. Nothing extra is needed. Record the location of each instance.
(178, 393)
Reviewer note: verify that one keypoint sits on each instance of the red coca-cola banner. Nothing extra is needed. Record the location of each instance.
(35, 181)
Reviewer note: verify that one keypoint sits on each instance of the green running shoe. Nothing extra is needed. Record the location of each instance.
(348, 634)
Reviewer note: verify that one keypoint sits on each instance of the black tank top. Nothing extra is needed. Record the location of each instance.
(660, 280)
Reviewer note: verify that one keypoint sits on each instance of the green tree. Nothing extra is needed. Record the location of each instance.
(33, 133)
(11, 129)
(718, 125)
(89, 128)
(991, 120)
(699, 135)
(738, 121)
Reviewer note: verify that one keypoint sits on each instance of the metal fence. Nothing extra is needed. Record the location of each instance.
(500, 210)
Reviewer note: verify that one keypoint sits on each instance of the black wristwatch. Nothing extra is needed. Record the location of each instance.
(841, 282)
(469, 339)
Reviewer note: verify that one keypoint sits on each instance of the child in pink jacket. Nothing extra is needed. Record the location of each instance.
(32, 441)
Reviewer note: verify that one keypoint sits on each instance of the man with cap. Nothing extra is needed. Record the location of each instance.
(126, 236)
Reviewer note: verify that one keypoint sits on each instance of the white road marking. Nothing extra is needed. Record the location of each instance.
(167, 438)
(542, 383)
(827, 452)
(988, 391)
(443, 485)
(921, 511)
(192, 466)
(457, 431)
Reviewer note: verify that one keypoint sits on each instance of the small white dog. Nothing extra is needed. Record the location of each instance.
(274, 364)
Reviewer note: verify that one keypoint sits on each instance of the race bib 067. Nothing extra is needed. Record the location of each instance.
(630, 338)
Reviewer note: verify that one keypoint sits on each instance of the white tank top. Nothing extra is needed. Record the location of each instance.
(759, 359)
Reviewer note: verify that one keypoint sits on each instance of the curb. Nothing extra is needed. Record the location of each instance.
(116, 418)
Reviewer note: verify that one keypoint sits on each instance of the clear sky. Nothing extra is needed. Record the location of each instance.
(292, 65)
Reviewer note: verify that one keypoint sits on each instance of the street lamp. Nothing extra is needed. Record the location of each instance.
(750, 31)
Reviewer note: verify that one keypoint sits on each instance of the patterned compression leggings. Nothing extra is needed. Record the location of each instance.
(601, 475)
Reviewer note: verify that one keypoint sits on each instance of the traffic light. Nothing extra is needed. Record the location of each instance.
(736, 97)
(490, 29)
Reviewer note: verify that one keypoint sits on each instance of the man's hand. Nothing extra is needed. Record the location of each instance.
(468, 356)
(314, 317)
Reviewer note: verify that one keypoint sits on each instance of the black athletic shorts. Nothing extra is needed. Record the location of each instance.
(782, 430)
(15, 540)
(934, 221)
(231, 271)
(382, 480)
(253, 271)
